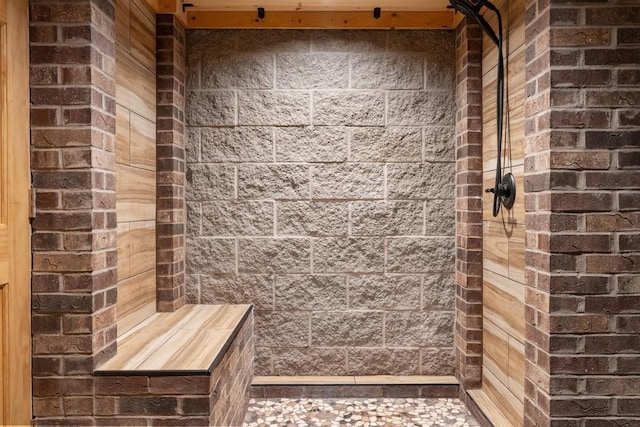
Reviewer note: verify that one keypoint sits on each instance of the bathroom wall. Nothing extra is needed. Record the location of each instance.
(136, 161)
(503, 363)
(320, 188)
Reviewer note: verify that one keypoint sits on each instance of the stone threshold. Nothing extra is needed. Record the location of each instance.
(355, 387)
(356, 380)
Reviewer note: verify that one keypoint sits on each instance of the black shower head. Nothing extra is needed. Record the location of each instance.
(471, 9)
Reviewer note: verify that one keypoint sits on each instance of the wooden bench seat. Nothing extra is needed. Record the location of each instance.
(188, 341)
(190, 367)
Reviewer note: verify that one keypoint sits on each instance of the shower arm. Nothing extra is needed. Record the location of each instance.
(504, 189)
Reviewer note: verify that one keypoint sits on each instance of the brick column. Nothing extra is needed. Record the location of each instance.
(468, 334)
(171, 213)
(74, 232)
(583, 214)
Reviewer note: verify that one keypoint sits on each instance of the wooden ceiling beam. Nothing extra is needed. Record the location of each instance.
(173, 7)
(321, 20)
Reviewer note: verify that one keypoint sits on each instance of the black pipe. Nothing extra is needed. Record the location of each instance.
(504, 190)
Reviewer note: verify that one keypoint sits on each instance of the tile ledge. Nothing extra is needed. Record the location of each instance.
(354, 380)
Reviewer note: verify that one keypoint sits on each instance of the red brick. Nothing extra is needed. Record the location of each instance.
(52, 344)
(567, 37)
(612, 263)
(622, 15)
(148, 406)
(612, 344)
(48, 387)
(114, 385)
(580, 119)
(581, 202)
(579, 324)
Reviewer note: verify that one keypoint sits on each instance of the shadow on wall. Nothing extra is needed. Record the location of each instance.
(320, 175)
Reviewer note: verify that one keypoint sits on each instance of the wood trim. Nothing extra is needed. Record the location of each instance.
(321, 20)
(17, 333)
(173, 7)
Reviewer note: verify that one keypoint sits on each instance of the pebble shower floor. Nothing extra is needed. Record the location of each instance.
(358, 412)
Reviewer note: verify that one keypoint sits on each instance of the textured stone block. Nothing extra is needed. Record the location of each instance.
(209, 182)
(359, 329)
(384, 361)
(282, 329)
(194, 219)
(254, 71)
(439, 144)
(310, 292)
(246, 289)
(262, 362)
(192, 73)
(440, 217)
(418, 255)
(239, 144)
(421, 108)
(379, 218)
(313, 218)
(278, 41)
(204, 41)
(386, 145)
(349, 41)
(237, 218)
(384, 292)
(273, 182)
(349, 108)
(276, 108)
(437, 361)
(440, 71)
(353, 255)
(310, 361)
(211, 108)
(433, 43)
(387, 71)
(208, 256)
(347, 181)
(257, 256)
(311, 144)
(439, 291)
(192, 288)
(312, 71)
(192, 146)
(411, 329)
(421, 181)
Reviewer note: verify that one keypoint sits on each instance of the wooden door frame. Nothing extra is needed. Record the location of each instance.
(16, 332)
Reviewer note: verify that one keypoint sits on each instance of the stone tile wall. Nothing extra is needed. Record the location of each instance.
(320, 188)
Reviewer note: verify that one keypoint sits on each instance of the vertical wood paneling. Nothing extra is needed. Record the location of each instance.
(135, 156)
(143, 143)
(503, 236)
(123, 135)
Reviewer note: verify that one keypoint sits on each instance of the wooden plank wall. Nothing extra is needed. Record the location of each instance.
(136, 161)
(503, 293)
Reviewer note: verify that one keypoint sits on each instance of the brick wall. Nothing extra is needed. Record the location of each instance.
(583, 70)
(171, 211)
(74, 233)
(320, 188)
(469, 205)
